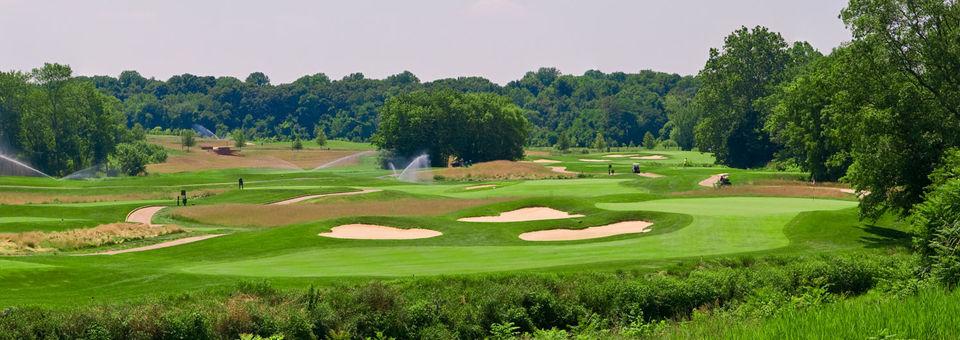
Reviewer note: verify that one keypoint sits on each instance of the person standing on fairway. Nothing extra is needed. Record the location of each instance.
(240, 183)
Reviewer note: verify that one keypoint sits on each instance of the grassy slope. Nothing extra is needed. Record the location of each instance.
(295, 256)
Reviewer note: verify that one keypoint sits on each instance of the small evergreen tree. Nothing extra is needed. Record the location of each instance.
(600, 143)
(321, 137)
(188, 138)
(563, 142)
(649, 141)
(297, 144)
(239, 138)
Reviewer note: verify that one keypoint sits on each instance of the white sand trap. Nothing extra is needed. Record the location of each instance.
(144, 215)
(619, 228)
(595, 160)
(649, 175)
(619, 156)
(310, 197)
(377, 232)
(476, 187)
(546, 161)
(562, 170)
(523, 215)
(650, 158)
(160, 245)
(709, 182)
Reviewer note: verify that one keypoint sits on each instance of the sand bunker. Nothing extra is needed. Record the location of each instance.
(709, 182)
(377, 232)
(144, 215)
(594, 160)
(649, 175)
(619, 228)
(650, 158)
(619, 156)
(546, 161)
(476, 187)
(562, 170)
(160, 245)
(522, 215)
(310, 197)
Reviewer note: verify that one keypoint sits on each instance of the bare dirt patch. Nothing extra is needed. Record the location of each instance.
(538, 153)
(106, 234)
(711, 181)
(619, 228)
(498, 170)
(310, 197)
(255, 215)
(546, 161)
(651, 158)
(522, 215)
(378, 232)
(562, 170)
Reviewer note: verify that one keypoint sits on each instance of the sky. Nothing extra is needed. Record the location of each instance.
(497, 39)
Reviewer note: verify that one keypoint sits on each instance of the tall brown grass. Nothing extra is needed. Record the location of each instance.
(499, 170)
(105, 234)
(16, 198)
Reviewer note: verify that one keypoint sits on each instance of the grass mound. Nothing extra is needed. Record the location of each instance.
(106, 234)
(499, 170)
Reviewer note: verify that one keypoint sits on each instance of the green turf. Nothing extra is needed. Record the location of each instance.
(295, 256)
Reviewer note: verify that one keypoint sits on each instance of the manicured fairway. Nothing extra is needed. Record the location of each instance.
(750, 224)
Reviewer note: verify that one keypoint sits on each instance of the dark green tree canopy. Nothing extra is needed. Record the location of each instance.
(473, 127)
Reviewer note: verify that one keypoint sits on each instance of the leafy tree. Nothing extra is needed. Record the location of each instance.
(904, 94)
(600, 142)
(937, 223)
(733, 82)
(470, 127)
(297, 144)
(649, 141)
(239, 138)
(58, 123)
(683, 119)
(813, 115)
(132, 158)
(188, 138)
(563, 142)
(321, 137)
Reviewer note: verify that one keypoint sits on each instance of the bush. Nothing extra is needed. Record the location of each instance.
(132, 158)
(937, 224)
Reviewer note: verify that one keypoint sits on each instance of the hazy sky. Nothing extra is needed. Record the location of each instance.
(497, 39)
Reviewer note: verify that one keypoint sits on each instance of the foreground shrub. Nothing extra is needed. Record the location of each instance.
(937, 223)
(592, 305)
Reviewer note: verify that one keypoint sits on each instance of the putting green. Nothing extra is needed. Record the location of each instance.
(723, 225)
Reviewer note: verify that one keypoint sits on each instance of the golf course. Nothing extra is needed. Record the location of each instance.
(479, 169)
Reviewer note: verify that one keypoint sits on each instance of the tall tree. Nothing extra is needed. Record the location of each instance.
(733, 81)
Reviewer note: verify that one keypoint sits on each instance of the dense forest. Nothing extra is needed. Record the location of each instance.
(624, 105)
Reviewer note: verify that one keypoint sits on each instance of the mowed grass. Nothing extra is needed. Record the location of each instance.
(750, 224)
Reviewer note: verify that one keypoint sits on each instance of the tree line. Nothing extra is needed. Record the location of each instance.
(625, 105)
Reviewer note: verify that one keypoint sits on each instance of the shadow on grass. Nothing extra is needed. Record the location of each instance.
(881, 237)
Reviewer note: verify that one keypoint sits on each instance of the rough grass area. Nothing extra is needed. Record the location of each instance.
(18, 198)
(107, 234)
(198, 160)
(249, 215)
(499, 170)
